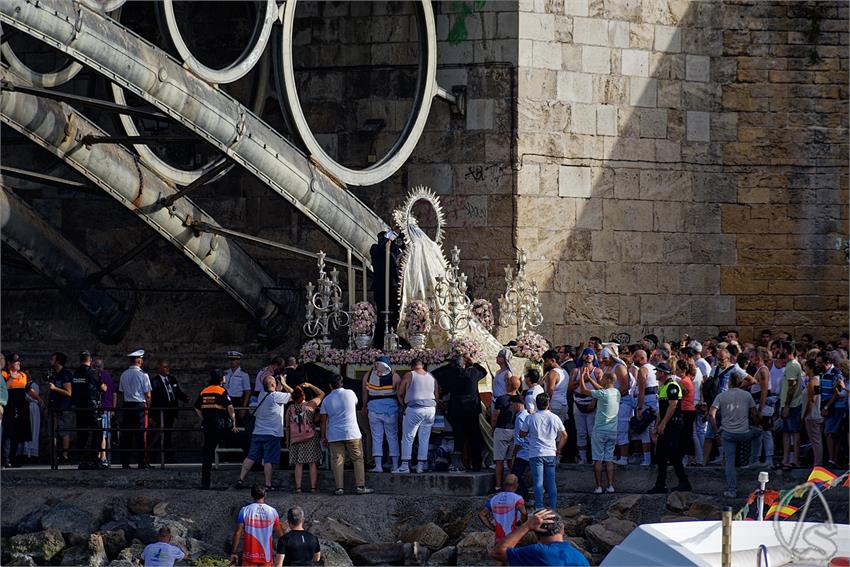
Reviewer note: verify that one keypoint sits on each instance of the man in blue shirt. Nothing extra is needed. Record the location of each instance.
(552, 549)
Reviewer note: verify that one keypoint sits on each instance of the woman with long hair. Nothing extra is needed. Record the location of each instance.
(302, 436)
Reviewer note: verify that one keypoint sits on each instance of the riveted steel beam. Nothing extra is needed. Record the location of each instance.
(59, 128)
(57, 259)
(105, 45)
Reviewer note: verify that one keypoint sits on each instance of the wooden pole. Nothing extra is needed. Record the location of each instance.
(726, 542)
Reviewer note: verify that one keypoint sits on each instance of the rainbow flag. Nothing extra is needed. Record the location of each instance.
(784, 512)
(820, 475)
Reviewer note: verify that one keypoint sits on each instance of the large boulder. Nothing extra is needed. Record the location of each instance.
(131, 555)
(113, 541)
(21, 559)
(570, 511)
(341, 532)
(140, 504)
(430, 535)
(378, 554)
(679, 501)
(32, 522)
(575, 525)
(41, 546)
(626, 508)
(333, 554)
(145, 527)
(608, 533)
(454, 521)
(74, 523)
(89, 554)
(474, 549)
(704, 511)
(445, 556)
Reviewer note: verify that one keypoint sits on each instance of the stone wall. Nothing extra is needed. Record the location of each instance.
(670, 166)
(664, 151)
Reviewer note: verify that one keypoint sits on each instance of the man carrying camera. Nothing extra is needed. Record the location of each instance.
(552, 549)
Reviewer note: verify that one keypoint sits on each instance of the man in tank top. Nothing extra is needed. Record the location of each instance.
(647, 398)
(417, 394)
(555, 384)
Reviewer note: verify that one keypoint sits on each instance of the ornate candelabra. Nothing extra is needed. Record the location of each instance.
(450, 306)
(324, 307)
(520, 303)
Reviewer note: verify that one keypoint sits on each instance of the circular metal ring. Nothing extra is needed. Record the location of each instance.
(426, 88)
(176, 175)
(246, 61)
(43, 80)
(403, 216)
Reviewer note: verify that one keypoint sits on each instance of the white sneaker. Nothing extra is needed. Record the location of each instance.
(610, 489)
(403, 469)
(597, 490)
(420, 468)
(622, 461)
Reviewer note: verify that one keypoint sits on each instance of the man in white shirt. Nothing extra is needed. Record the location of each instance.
(702, 364)
(135, 387)
(268, 430)
(341, 433)
(532, 379)
(162, 553)
(546, 437)
(237, 382)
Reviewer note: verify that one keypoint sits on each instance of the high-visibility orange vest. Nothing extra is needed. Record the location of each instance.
(19, 381)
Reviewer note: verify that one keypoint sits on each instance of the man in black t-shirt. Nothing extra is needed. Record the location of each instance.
(297, 546)
(85, 395)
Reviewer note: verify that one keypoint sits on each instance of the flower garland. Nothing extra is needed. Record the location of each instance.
(364, 318)
(466, 347)
(309, 352)
(483, 311)
(530, 346)
(417, 318)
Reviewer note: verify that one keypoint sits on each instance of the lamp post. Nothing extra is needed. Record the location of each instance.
(324, 305)
(450, 305)
(520, 304)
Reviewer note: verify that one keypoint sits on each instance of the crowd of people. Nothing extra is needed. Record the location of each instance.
(682, 404)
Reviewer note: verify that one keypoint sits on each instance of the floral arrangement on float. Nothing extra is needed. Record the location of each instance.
(310, 352)
(363, 323)
(530, 346)
(417, 321)
(467, 348)
(362, 356)
(483, 311)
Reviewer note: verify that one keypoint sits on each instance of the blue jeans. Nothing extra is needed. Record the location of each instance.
(730, 449)
(543, 472)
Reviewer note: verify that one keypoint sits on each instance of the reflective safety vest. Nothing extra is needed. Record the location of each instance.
(662, 391)
(19, 381)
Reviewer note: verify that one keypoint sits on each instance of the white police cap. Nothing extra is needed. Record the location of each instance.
(234, 354)
(137, 353)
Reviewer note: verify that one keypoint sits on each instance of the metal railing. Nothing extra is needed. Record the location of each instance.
(116, 427)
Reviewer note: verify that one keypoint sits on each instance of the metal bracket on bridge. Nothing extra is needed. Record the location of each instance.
(456, 98)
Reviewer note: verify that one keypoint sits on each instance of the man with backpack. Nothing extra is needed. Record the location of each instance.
(267, 430)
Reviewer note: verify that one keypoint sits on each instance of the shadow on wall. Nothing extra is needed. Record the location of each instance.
(689, 207)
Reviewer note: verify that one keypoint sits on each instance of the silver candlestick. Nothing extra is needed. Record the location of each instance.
(520, 304)
(324, 307)
(450, 307)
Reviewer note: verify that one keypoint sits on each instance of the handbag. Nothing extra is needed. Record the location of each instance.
(251, 418)
(300, 426)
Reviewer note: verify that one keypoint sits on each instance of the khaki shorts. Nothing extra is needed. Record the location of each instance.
(503, 444)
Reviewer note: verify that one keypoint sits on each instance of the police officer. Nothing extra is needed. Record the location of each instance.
(85, 395)
(218, 421)
(135, 386)
(238, 382)
(669, 426)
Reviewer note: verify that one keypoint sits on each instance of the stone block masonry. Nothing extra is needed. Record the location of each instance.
(671, 166)
(714, 186)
